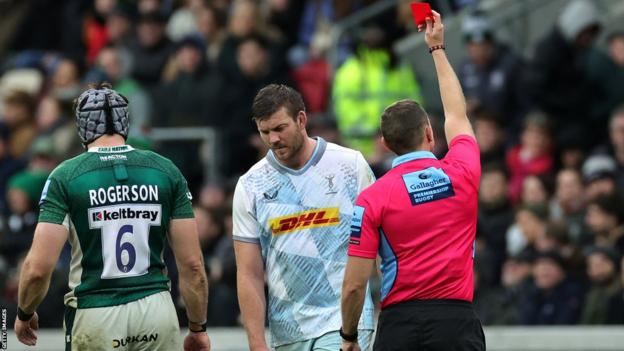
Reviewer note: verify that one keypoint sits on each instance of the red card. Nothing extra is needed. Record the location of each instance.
(421, 11)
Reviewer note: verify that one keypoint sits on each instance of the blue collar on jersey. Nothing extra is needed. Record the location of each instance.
(114, 149)
(319, 150)
(416, 155)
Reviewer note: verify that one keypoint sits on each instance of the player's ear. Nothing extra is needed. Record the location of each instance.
(385, 144)
(429, 135)
(302, 119)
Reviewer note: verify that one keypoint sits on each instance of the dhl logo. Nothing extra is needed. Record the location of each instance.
(323, 217)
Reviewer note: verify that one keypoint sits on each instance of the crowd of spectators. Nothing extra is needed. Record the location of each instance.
(550, 236)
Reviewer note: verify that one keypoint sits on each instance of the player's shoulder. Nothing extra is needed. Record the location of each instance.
(158, 161)
(66, 169)
(381, 186)
(259, 169)
(338, 151)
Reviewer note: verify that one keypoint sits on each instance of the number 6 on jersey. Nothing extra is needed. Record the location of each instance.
(125, 237)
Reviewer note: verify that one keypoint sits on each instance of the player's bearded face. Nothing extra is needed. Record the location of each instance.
(282, 134)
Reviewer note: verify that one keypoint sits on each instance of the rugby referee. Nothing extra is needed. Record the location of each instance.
(421, 219)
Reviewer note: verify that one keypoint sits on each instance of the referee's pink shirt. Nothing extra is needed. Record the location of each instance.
(421, 218)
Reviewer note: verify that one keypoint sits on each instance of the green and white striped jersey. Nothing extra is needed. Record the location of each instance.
(117, 204)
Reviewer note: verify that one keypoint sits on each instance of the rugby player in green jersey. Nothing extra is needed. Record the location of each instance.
(117, 206)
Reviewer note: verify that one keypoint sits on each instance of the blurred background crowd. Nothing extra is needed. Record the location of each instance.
(550, 125)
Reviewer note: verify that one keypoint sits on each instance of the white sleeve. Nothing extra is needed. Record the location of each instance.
(365, 174)
(245, 227)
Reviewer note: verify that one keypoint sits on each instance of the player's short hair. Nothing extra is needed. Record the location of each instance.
(100, 110)
(272, 98)
(403, 126)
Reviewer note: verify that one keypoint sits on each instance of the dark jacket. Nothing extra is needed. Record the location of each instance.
(560, 306)
(500, 87)
(558, 81)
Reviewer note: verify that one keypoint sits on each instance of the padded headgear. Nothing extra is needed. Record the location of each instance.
(101, 111)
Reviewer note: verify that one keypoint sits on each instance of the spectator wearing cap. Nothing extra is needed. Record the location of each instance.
(615, 310)
(492, 74)
(599, 176)
(552, 298)
(532, 156)
(8, 166)
(557, 79)
(151, 49)
(19, 111)
(602, 270)
(605, 220)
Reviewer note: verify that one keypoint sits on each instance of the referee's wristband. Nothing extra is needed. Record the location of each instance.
(202, 326)
(349, 337)
(23, 316)
(436, 47)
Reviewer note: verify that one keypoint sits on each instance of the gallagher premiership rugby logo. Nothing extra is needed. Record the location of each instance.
(323, 217)
(428, 185)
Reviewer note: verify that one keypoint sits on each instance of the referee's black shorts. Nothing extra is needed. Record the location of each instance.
(431, 325)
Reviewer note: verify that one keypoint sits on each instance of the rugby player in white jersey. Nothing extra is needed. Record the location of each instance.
(292, 215)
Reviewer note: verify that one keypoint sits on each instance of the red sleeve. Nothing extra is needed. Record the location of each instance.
(364, 240)
(464, 152)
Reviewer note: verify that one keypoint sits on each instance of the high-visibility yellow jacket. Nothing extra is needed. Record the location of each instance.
(363, 87)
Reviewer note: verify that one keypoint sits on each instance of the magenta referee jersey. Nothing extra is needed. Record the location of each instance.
(421, 218)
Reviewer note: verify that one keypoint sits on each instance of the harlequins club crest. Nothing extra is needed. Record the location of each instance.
(331, 187)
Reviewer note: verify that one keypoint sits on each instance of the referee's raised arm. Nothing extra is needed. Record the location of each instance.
(456, 122)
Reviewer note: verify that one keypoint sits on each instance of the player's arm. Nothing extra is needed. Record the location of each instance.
(35, 275)
(456, 122)
(249, 268)
(39, 264)
(251, 296)
(363, 247)
(184, 242)
(356, 277)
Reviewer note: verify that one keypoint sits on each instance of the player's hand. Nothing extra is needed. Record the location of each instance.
(197, 342)
(25, 331)
(434, 30)
(350, 346)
